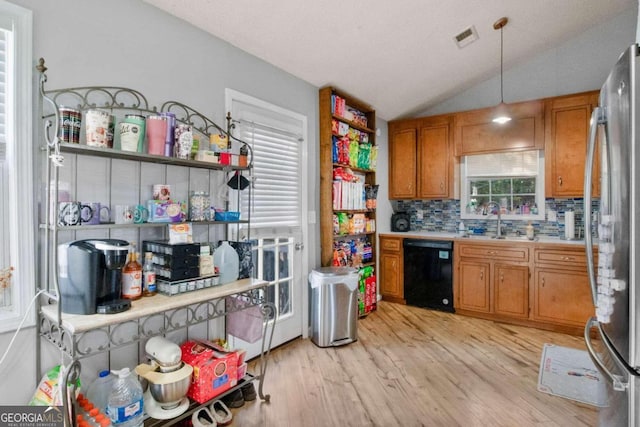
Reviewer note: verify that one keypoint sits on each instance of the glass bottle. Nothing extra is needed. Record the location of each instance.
(132, 278)
(149, 276)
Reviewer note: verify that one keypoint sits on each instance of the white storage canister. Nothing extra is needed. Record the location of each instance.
(228, 263)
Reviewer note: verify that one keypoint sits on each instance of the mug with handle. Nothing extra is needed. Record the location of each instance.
(98, 210)
(140, 214)
(72, 213)
(124, 214)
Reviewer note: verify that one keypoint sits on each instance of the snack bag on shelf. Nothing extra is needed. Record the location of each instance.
(354, 147)
(373, 158)
(335, 126)
(49, 392)
(364, 156)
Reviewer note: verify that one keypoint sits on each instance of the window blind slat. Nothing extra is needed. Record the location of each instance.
(276, 192)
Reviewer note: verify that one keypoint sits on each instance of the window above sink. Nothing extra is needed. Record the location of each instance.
(514, 180)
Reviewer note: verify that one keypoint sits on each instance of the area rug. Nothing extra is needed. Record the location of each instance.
(570, 373)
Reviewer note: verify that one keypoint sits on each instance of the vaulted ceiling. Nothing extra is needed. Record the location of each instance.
(398, 56)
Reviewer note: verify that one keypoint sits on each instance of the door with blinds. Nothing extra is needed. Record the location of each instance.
(277, 210)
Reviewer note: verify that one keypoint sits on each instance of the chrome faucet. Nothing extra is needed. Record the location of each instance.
(498, 228)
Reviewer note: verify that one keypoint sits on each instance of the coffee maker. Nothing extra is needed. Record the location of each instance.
(90, 276)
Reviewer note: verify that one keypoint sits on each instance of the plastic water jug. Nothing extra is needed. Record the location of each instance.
(126, 406)
(228, 263)
(99, 390)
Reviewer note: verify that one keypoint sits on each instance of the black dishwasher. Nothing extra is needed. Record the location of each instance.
(428, 274)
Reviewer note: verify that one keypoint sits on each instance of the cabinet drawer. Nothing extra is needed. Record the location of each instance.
(391, 244)
(576, 258)
(494, 252)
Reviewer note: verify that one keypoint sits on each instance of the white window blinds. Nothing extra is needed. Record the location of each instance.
(3, 93)
(523, 163)
(276, 191)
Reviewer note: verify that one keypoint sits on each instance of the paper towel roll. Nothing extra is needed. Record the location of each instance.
(569, 225)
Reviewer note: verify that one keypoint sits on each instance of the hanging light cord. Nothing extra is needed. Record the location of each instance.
(501, 61)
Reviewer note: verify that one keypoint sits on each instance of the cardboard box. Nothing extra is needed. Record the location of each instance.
(214, 371)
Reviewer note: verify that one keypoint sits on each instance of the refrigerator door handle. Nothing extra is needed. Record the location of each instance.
(597, 117)
(619, 382)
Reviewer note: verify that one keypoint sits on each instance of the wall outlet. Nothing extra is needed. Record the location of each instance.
(419, 214)
(552, 216)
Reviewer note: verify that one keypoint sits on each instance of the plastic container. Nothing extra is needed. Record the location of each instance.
(461, 230)
(228, 262)
(99, 390)
(125, 405)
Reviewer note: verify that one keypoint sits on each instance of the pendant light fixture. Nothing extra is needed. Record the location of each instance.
(501, 114)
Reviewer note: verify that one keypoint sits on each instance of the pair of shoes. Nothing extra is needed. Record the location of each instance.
(234, 400)
(203, 418)
(248, 392)
(221, 413)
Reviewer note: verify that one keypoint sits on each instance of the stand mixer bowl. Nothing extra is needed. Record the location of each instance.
(169, 394)
(168, 377)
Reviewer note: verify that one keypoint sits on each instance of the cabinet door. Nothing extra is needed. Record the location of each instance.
(434, 159)
(391, 276)
(562, 296)
(566, 134)
(475, 132)
(511, 290)
(402, 164)
(474, 286)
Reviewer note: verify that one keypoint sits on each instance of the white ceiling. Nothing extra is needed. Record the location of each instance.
(399, 56)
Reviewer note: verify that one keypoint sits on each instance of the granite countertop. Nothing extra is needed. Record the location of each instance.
(438, 235)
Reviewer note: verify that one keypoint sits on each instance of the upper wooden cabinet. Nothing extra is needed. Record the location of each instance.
(421, 164)
(475, 133)
(566, 132)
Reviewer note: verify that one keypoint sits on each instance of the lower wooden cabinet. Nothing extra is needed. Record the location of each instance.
(493, 279)
(391, 269)
(511, 290)
(474, 290)
(540, 285)
(561, 290)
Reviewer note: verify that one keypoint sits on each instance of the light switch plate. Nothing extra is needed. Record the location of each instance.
(552, 216)
(419, 214)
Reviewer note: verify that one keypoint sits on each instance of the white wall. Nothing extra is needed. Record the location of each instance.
(132, 44)
(578, 65)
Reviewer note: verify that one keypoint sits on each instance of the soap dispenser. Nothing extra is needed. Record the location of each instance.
(461, 230)
(530, 231)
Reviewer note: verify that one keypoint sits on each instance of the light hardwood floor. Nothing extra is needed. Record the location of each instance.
(416, 367)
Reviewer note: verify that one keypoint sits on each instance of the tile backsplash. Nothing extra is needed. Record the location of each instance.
(444, 215)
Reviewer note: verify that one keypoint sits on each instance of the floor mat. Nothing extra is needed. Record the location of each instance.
(570, 373)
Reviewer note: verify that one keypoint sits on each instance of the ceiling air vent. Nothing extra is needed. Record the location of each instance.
(466, 37)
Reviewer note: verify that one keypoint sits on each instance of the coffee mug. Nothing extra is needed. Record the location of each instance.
(101, 213)
(73, 213)
(124, 214)
(140, 214)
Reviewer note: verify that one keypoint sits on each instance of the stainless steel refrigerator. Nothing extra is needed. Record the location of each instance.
(614, 278)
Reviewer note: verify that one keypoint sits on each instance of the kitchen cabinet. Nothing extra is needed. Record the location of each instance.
(421, 165)
(475, 288)
(81, 336)
(561, 290)
(492, 280)
(391, 269)
(567, 121)
(347, 220)
(511, 290)
(475, 133)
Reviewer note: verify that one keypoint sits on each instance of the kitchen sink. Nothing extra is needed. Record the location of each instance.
(515, 238)
(512, 238)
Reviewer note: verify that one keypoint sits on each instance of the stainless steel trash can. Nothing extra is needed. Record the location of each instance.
(334, 306)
